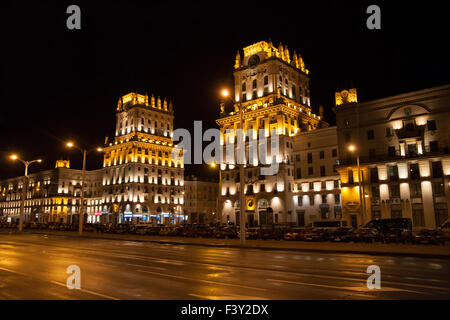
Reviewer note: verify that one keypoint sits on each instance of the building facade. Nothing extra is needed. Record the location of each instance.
(52, 195)
(141, 180)
(200, 200)
(273, 88)
(317, 193)
(403, 147)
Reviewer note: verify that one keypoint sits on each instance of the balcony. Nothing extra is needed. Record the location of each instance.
(410, 130)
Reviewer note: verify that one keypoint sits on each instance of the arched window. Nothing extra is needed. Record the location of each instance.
(254, 83)
(266, 80)
(294, 94)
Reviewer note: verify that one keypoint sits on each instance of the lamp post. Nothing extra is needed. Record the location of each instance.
(83, 174)
(226, 94)
(24, 187)
(352, 148)
(218, 211)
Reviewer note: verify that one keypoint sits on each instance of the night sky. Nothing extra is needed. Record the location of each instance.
(59, 84)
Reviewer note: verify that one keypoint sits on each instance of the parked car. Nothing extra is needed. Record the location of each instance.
(225, 232)
(344, 234)
(393, 230)
(428, 236)
(295, 234)
(367, 235)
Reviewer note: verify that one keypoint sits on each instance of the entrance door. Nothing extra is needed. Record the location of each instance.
(262, 217)
(301, 218)
(251, 219)
(354, 220)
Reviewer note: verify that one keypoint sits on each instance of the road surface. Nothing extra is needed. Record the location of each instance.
(33, 266)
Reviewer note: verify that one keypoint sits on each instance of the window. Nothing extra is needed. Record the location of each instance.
(370, 135)
(322, 154)
(294, 93)
(412, 149)
(262, 187)
(337, 198)
(431, 125)
(311, 200)
(418, 217)
(438, 189)
(310, 171)
(300, 201)
(374, 175)
(254, 84)
(311, 186)
(394, 191)
(414, 172)
(298, 173)
(416, 190)
(376, 213)
(244, 87)
(266, 80)
(323, 185)
(393, 173)
(334, 153)
(434, 146)
(254, 95)
(396, 212)
(375, 192)
(350, 176)
(336, 184)
(436, 168)
(322, 171)
(324, 198)
(309, 157)
(297, 157)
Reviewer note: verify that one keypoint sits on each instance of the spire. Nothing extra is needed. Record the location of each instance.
(153, 101)
(158, 102)
(295, 58)
(237, 63)
(146, 99)
(286, 54)
(165, 104)
(170, 106)
(280, 51)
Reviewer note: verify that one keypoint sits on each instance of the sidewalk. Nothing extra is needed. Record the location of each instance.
(426, 251)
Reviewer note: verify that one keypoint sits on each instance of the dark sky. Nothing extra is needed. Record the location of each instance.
(60, 84)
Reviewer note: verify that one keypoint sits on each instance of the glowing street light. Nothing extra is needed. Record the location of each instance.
(225, 93)
(24, 187)
(70, 144)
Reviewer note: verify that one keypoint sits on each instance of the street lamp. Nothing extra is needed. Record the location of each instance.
(352, 148)
(83, 174)
(226, 94)
(24, 187)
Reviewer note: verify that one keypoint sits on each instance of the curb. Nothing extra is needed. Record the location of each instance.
(373, 253)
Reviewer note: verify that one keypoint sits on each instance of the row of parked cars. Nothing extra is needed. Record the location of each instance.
(380, 230)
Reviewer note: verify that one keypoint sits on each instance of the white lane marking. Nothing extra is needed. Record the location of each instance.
(227, 297)
(87, 291)
(59, 283)
(201, 280)
(145, 266)
(358, 289)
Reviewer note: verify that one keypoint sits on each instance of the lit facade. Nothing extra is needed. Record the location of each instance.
(273, 88)
(200, 200)
(52, 195)
(141, 182)
(317, 193)
(403, 144)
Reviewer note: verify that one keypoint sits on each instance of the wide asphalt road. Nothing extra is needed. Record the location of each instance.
(34, 266)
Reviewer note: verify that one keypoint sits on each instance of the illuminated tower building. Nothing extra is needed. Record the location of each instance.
(142, 183)
(273, 88)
